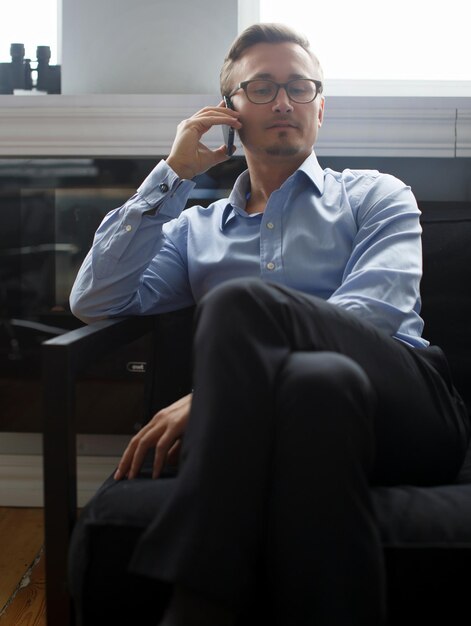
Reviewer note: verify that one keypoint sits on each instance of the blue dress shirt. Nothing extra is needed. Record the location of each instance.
(352, 238)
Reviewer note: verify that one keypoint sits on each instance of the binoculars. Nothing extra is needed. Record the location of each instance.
(19, 74)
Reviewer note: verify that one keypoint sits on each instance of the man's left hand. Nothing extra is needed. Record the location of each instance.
(164, 432)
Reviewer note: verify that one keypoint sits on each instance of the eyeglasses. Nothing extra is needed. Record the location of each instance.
(300, 90)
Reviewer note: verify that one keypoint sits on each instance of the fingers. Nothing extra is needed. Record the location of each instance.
(218, 115)
(208, 117)
(220, 154)
(133, 457)
(188, 155)
(163, 433)
(174, 453)
(162, 449)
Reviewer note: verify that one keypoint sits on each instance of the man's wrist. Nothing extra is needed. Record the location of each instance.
(180, 170)
(164, 191)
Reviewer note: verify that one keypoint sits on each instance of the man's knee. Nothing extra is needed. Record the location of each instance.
(329, 370)
(325, 407)
(325, 383)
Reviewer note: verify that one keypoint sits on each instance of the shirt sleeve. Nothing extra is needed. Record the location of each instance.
(111, 281)
(381, 281)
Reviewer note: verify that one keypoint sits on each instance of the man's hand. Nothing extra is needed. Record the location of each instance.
(189, 156)
(164, 432)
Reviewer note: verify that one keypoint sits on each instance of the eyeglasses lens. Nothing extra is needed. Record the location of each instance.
(263, 91)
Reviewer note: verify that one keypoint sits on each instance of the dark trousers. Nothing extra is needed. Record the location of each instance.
(298, 407)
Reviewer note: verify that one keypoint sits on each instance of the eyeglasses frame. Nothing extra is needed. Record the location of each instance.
(244, 83)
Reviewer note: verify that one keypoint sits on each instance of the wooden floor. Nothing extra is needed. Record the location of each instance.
(22, 600)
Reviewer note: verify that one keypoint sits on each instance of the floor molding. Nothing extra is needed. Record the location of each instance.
(87, 445)
(21, 478)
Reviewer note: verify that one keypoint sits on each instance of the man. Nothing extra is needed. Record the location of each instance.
(311, 379)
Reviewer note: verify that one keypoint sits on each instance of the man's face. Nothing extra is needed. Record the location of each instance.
(282, 129)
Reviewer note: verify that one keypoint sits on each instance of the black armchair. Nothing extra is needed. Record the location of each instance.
(426, 531)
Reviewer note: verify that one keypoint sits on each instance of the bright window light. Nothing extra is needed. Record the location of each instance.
(378, 40)
(32, 23)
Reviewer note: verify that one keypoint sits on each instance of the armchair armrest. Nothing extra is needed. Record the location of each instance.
(63, 359)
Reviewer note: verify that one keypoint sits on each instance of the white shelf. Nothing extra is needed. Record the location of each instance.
(145, 125)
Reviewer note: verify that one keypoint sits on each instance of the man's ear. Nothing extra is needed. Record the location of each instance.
(320, 113)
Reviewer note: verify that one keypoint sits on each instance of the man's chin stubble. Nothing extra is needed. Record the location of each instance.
(284, 151)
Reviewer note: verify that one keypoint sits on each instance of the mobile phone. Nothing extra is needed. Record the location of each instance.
(228, 131)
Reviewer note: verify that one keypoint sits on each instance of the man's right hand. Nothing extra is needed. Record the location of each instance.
(189, 156)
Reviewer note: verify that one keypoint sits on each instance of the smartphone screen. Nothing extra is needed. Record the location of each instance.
(228, 131)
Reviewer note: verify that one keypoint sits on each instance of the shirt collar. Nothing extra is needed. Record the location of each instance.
(237, 200)
(313, 171)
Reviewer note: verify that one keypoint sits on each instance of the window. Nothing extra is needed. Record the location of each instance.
(30, 22)
(421, 43)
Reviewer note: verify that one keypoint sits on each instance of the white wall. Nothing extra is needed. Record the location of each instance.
(145, 46)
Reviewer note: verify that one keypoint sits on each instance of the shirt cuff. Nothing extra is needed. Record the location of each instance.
(163, 184)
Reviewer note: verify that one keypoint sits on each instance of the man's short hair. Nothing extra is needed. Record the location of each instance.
(260, 33)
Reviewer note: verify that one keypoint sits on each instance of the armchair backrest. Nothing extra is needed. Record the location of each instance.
(446, 287)
(446, 309)
(170, 367)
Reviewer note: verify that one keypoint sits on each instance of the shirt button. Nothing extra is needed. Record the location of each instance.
(270, 225)
(163, 187)
(128, 228)
(270, 266)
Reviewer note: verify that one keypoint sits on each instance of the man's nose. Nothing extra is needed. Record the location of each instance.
(282, 104)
